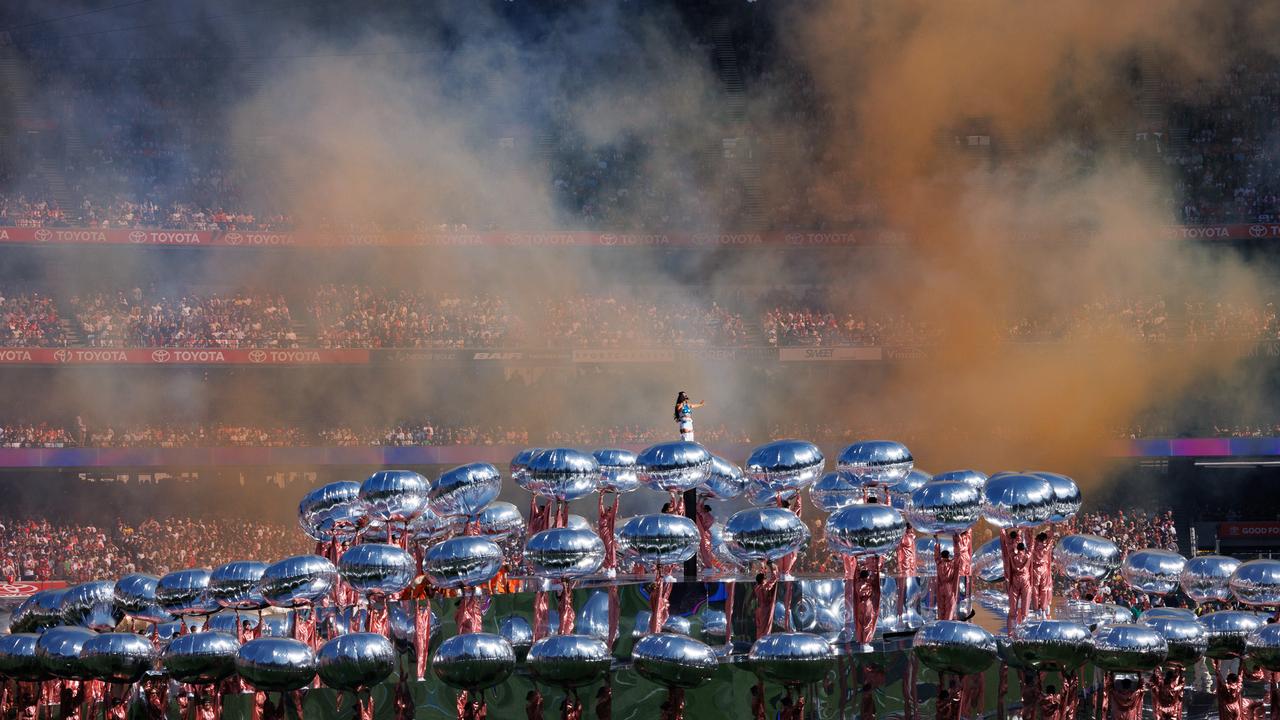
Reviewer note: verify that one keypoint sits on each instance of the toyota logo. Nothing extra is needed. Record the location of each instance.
(794, 238)
(257, 356)
(17, 589)
(609, 239)
(137, 236)
(62, 355)
(1257, 231)
(43, 235)
(160, 356)
(233, 238)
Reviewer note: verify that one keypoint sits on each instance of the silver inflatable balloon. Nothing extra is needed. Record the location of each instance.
(228, 623)
(18, 658)
(465, 490)
(900, 492)
(926, 558)
(501, 520)
(377, 570)
(1086, 557)
(463, 561)
(1207, 578)
(561, 553)
(593, 616)
(331, 512)
(957, 647)
(836, 490)
(118, 657)
(298, 581)
(784, 465)
(473, 661)
(355, 662)
(1263, 647)
(41, 610)
(675, 624)
(764, 534)
(395, 496)
(876, 462)
(792, 658)
(404, 623)
(201, 658)
(714, 625)
(135, 597)
(428, 529)
(972, 478)
(235, 585)
(1153, 571)
(1017, 501)
(276, 664)
(617, 470)
(568, 661)
(944, 508)
(1066, 496)
(764, 497)
(871, 529)
(1052, 644)
(674, 466)
(520, 468)
(1227, 631)
(1124, 647)
(658, 539)
(725, 481)
(185, 592)
(577, 522)
(1185, 638)
(518, 633)
(1167, 612)
(1257, 583)
(721, 550)
(92, 605)
(674, 660)
(988, 562)
(59, 652)
(563, 473)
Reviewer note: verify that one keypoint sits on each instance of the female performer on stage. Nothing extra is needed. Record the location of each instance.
(684, 414)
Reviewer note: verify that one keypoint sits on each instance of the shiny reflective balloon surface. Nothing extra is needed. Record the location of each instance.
(331, 512)
(674, 466)
(563, 473)
(876, 462)
(952, 646)
(92, 605)
(18, 659)
(836, 490)
(1257, 583)
(939, 508)
(377, 569)
(500, 520)
(865, 529)
(355, 661)
(428, 529)
(988, 563)
(900, 492)
(1207, 578)
(764, 534)
(1052, 644)
(972, 478)
(1125, 647)
(135, 596)
(1153, 571)
(1017, 501)
(59, 652)
(185, 592)
(792, 658)
(518, 633)
(118, 657)
(1227, 630)
(785, 465)
(41, 610)
(927, 549)
(276, 664)
(564, 553)
(396, 496)
(617, 470)
(1263, 647)
(465, 490)
(297, 581)
(235, 585)
(474, 661)
(1086, 557)
(1167, 612)
(462, 561)
(520, 468)
(568, 660)
(1066, 496)
(1185, 638)
(201, 658)
(658, 539)
(673, 660)
(725, 480)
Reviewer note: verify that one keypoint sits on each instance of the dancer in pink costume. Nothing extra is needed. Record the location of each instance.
(1018, 572)
(948, 585)
(1124, 699)
(1042, 572)
(866, 608)
(607, 521)
(1232, 704)
(766, 594)
(421, 634)
(541, 611)
(705, 520)
(1166, 698)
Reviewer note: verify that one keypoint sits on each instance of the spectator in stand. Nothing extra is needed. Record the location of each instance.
(30, 320)
(138, 319)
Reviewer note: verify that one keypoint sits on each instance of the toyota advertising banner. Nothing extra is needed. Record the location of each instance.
(21, 589)
(179, 356)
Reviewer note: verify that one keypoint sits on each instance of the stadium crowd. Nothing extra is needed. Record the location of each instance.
(1134, 530)
(30, 319)
(41, 550)
(138, 318)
